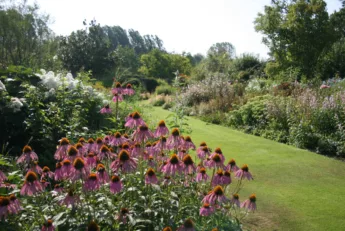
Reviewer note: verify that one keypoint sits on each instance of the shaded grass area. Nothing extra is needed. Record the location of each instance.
(296, 189)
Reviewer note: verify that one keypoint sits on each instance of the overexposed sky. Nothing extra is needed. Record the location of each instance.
(183, 25)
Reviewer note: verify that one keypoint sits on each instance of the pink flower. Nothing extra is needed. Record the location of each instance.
(175, 141)
(216, 195)
(117, 98)
(27, 156)
(61, 151)
(142, 134)
(123, 215)
(250, 204)
(91, 160)
(90, 146)
(221, 178)
(150, 177)
(92, 183)
(161, 130)
(46, 173)
(202, 175)
(244, 173)
(98, 145)
(31, 184)
(215, 161)
(136, 150)
(81, 149)
(36, 168)
(70, 199)
(124, 162)
(6, 207)
(134, 120)
(128, 90)
(118, 89)
(102, 174)
(48, 226)
(203, 152)
(15, 204)
(58, 175)
(105, 110)
(80, 169)
(206, 210)
(188, 144)
(188, 166)
(162, 144)
(115, 184)
(105, 153)
(2, 177)
(323, 86)
(235, 200)
(226, 178)
(67, 169)
(58, 189)
(188, 225)
(173, 165)
(232, 167)
(117, 139)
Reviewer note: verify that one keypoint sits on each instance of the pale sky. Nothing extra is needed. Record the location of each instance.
(183, 25)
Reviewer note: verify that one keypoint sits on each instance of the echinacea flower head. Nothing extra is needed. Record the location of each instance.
(115, 184)
(6, 207)
(80, 170)
(235, 200)
(82, 140)
(72, 153)
(92, 226)
(117, 89)
(31, 184)
(216, 195)
(226, 179)
(188, 144)
(47, 173)
(134, 120)
(105, 110)
(202, 175)
(150, 177)
(117, 98)
(128, 90)
(123, 215)
(188, 164)
(188, 225)
(206, 210)
(71, 199)
(168, 228)
(142, 133)
(172, 166)
(61, 151)
(102, 174)
(175, 140)
(232, 167)
(58, 174)
(117, 139)
(250, 204)
(92, 183)
(218, 178)
(48, 226)
(91, 160)
(27, 156)
(124, 162)
(203, 152)
(15, 204)
(244, 173)
(104, 153)
(161, 130)
(214, 161)
(90, 145)
(67, 168)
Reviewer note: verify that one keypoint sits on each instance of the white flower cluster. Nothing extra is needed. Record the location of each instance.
(16, 104)
(2, 87)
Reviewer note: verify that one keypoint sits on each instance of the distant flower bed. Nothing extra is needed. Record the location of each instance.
(141, 181)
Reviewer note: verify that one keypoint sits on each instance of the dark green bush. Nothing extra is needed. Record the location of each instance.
(165, 90)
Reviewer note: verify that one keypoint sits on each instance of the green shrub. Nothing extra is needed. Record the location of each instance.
(165, 90)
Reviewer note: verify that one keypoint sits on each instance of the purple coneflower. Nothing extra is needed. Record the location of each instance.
(206, 210)
(70, 199)
(81, 149)
(124, 162)
(58, 188)
(15, 204)
(105, 153)
(202, 175)
(232, 167)
(123, 215)
(219, 152)
(36, 168)
(188, 166)
(150, 177)
(31, 184)
(61, 151)
(244, 173)
(6, 207)
(27, 156)
(98, 144)
(91, 160)
(58, 174)
(168, 228)
(250, 204)
(115, 184)
(136, 150)
(162, 144)
(175, 140)
(216, 195)
(117, 98)
(134, 120)
(128, 90)
(235, 200)
(80, 169)
(117, 139)
(117, 89)
(142, 133)
(90, 145)
(67, 169)
(46, 173)
(188, 143)
(92, 183)
(203, 152)
(105, 110)
(214, 161)
(218, 178)
(72, 153)
(173, 165)
(48, 226)
(102, 174)
(161, 130)
(188, 225)
(226, 178)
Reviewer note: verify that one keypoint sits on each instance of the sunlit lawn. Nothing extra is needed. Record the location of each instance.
(296, 189)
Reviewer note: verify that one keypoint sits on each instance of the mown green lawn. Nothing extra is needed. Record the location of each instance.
(295, 189)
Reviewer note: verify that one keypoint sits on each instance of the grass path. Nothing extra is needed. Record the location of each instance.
(295, 189)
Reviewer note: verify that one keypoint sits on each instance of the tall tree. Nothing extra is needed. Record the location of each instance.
(296, 32)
